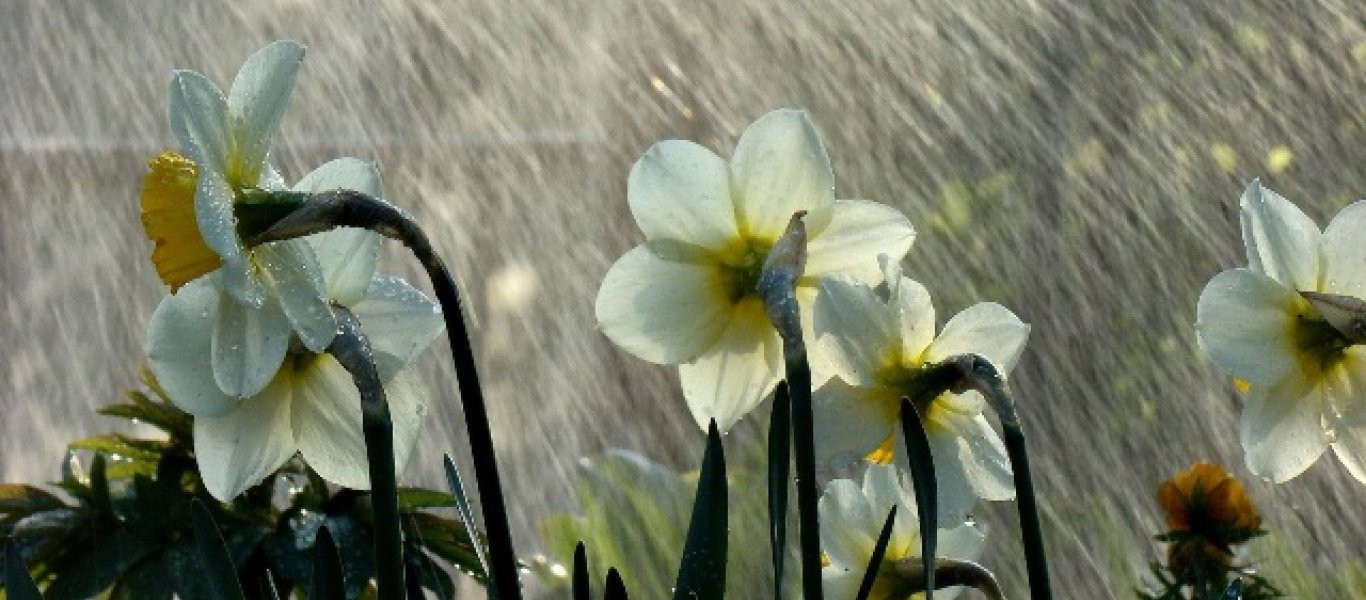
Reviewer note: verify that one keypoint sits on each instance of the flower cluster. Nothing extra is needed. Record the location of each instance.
(240, 342)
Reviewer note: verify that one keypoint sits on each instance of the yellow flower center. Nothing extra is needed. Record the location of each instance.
(742, 262)
(168, 217)
(1320, 345)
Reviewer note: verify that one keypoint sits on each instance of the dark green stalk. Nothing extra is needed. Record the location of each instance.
(347, 208)
(921, 460)
(949, 572)
(779, 470)
(352, 349)
(985, 378)
(578, 587)
(875, 561)
(615, 587)
(702, 571)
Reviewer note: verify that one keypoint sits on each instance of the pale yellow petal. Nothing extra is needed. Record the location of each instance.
(780, 167)
(738, 372)
(663, 311)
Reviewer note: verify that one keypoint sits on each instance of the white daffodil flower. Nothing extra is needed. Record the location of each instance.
(687, 296)
(878, 346)
(276, 288)
(851, 520)
(1307, 381)
(309, 403)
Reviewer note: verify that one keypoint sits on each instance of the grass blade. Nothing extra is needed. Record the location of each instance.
(875, 562)
(328, 582)
(462, 505)
(926, 488)
(779, 470)
(214, 561)
(702, 574)
(18, 585)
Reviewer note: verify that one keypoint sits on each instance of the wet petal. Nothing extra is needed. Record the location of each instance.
(663, 311)
(988, 329)
(915, 312)
(347, 255)
(179, 339)
(858, 233)
(1244, 322)
(399, 319)
(1344, 255)
(780, 167)
(237, 450)
(296, 279)
(213, 214)
(841, 581)
(248, 345)
(199, 120)
(737, 372)
(849, 422)
(848, 529)
(1282, 242)
(863, 330)
(983, 455)
(1282, 428)
(258, 99)
(1347, 393)
(681, 191)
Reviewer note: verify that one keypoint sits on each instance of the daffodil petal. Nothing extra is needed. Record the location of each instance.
(1245, 323)
(680, 191)
(296, 278)
(841, 581)
(988, 329)
(238, 449)
(858, 233)
(737, 372)
(199, 120)
(956, 496)
(663, 311)
(1344, 254)
(915, 312)
(398, 318)
(1282, 428)
(213, 201)
(248, 345)
(780, 167)
(326, 419)
(347, 255)
(1282, 242)
(984, 455)
(1347, 393)
(862, 329)
(179, 338)
(258, 99)
(884, 487)
(848, 525)
(849, 422)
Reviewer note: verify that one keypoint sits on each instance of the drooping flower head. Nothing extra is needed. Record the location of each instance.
(879, 346)
(275, 290)
(688, 296)
(852, 517)
(1306, 378)
(309, 403)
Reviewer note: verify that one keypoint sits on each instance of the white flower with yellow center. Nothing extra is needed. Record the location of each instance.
(851, 520)
(688, 296)
(1306, 379)
(309, 403)
(879, 346)
(271, 290)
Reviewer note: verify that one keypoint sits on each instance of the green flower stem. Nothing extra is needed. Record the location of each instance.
(921, 459)
(347, 208)
(949, 572)
(980, 374)
(777, 286)
(352, 349)
(779, 470)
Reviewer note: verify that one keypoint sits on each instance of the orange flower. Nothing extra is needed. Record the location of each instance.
(1208, 503)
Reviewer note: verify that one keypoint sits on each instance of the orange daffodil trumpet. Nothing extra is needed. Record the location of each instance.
(688, 297)
(1279, 325)
(309, 404)
(878, 345)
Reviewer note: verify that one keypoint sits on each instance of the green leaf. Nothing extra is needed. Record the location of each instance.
(57, 522)
(99, 487)
(462, 505)
(181, 561)
(119, 446)
(875, 561)
(616, 588)
(18, 585)
(23, 499)
(446, 538)
(328, 582)
(579, 585)
(146, 580)
(779, 470)
(89, 568)
(926, 489)
(356, 548)
(702, 574)
(410, 499)
(215, 563)
(162, 415)
(426, 573)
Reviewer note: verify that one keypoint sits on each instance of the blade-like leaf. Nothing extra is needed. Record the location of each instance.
(875, 561)
(18, 585)
(99, 487)
(327, 582)
(215, 564)
(1234, 591)
(616, 589)
(23, 499)
(926, 489)
(779, 470)
(462, 505)
(702, 574)
(579, 584)
(415, 498)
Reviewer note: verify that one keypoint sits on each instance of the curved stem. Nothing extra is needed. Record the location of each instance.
(352, 349)
(348, 208)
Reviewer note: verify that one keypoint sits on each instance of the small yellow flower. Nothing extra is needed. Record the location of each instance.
(1206, 501)
(180, 253)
